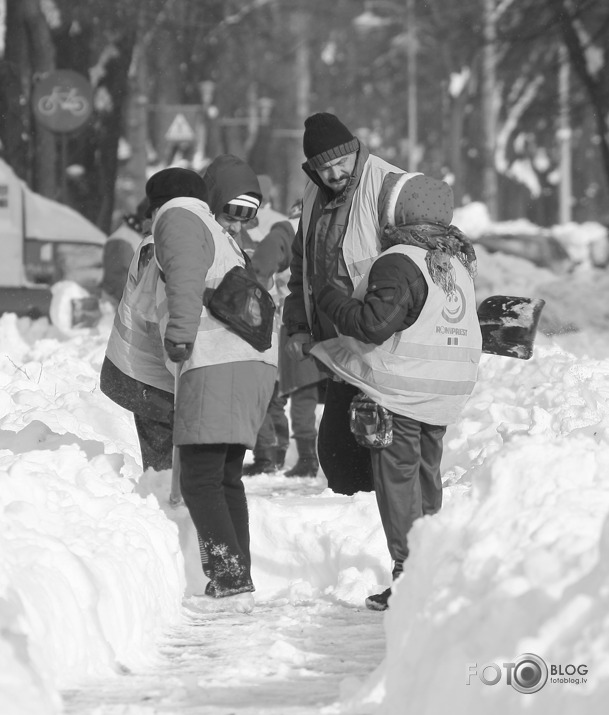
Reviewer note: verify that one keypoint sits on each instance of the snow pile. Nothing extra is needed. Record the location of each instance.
(516, 561)
(89, 571)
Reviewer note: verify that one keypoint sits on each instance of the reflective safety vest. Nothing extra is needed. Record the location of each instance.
(214, 344)
(135, 345)
(427, 371)
(361, 242)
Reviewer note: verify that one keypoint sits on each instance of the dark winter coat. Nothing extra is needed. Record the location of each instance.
(117, 254)
(273, 256)
(394, 298)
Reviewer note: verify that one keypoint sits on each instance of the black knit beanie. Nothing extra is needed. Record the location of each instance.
(326, 138)
(170, 184)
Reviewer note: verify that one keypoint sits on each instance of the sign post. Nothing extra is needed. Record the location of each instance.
(62, 102)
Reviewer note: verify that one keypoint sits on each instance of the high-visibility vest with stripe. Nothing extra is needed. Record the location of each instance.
(361, 242)
(426, 371)
(134, 345)
(214, 343)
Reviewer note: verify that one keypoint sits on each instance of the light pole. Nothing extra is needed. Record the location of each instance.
(413, 158)
(564, 138)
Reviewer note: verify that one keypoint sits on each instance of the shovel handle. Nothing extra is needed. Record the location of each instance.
(175, 494)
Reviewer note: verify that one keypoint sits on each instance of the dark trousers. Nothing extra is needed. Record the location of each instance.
(345, 463)
(407, 480)
(303, 403)
(156, 442)
(210, 479)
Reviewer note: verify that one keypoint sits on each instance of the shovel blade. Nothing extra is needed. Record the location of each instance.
(509, 325)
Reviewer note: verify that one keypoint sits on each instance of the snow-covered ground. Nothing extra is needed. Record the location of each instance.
(99, 575)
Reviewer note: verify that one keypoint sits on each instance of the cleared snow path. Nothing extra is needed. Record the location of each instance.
(282, 659)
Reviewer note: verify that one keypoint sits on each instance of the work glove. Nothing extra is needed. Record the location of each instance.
(177, 352)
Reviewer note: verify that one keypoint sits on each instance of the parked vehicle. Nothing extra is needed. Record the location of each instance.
(44, 242)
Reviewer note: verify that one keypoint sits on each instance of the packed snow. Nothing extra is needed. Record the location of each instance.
(99, 575)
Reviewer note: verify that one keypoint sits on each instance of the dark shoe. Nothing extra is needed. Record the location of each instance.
(304, 467)
(265, 462)
(379, 601)
(215, 590)
(260, 466)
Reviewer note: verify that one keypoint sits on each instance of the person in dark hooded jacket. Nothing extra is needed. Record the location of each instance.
(224, 384)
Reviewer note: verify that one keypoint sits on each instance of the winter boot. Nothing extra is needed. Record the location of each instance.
(379, 601)
(265, 462)
(307, 464)
(280, 453)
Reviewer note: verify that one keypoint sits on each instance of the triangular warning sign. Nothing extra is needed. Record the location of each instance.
(179, 130)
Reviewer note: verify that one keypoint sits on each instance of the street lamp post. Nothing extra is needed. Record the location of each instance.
(413, 158)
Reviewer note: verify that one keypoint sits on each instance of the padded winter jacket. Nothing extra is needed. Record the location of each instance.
(423, 363)
(223, 402)
(271, 261)
(337, 239)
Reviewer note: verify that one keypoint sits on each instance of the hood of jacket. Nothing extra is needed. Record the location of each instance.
(226, 178)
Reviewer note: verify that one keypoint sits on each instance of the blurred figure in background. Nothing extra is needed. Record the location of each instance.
(300, 380)
(118, 252)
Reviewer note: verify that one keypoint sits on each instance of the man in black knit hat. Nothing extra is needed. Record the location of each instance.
(340, 200)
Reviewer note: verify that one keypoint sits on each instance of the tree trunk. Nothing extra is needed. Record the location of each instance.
(29, 53)
(42, 61)
(599, 94)
(295, 178)
(489, 110)
(137, 113)
(116, 82)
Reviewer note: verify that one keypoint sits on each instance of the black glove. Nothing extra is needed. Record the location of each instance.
(178, 352)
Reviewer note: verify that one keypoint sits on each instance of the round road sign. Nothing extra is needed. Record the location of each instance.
(62, 101)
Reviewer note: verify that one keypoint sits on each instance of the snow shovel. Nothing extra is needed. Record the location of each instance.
(175, 493)
(509, 325)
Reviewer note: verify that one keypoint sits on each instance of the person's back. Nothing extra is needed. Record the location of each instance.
(133, 373)
(409, 339)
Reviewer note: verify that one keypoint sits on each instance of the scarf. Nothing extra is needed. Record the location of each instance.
(441, 244)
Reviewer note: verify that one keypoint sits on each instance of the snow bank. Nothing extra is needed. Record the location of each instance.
(94, 563)
(516, 561)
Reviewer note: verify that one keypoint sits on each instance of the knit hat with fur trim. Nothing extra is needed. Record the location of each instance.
(326, 138)
(172, 183)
